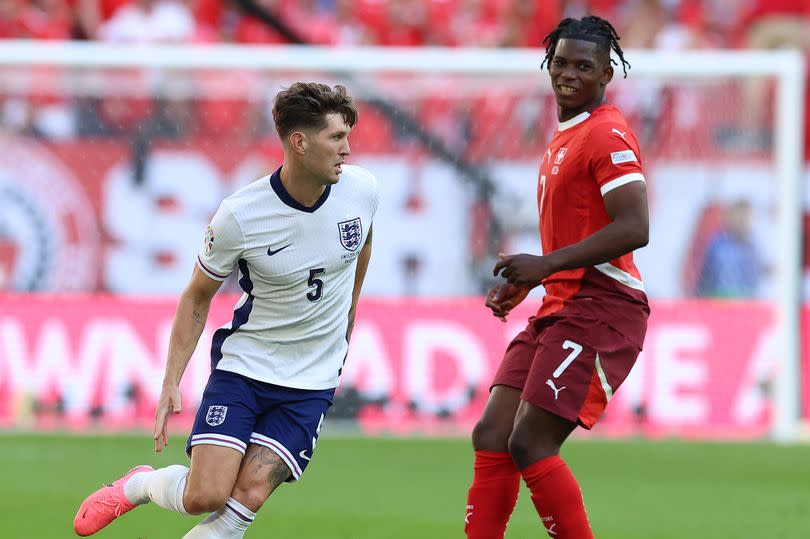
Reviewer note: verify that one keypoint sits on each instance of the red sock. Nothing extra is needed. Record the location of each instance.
(558, 499)
(492, 495)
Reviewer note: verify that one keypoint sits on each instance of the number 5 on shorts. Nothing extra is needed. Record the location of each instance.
(576, 349)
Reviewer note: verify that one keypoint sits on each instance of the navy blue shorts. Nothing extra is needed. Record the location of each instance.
(237, 410)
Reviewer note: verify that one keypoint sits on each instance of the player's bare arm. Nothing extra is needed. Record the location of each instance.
(362, 265)
(188, 325)
(628, 230)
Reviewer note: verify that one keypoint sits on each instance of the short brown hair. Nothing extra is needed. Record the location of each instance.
(305, 105)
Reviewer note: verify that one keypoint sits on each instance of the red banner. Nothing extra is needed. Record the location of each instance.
(414, 366)
(76, 219)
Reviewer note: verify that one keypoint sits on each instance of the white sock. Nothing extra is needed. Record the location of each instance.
(164, 486)
(230, 522)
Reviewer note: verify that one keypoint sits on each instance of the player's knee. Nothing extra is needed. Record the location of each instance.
(489, 437)
(204, 501)
(518, 447)
(526, 448)
(252, 497)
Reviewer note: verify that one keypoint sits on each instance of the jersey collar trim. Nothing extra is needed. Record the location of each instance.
(286, 198)
(576, 120)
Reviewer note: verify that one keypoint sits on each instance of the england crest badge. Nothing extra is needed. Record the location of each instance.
(350, 233)
(216, 415)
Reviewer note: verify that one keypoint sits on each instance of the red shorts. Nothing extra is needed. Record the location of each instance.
(569, 366)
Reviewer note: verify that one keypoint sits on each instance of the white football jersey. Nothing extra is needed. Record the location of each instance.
(296, 268)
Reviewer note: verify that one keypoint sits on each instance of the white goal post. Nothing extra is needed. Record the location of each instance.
(784, 67)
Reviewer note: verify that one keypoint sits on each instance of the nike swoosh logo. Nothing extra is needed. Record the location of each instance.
(303, 455)
(272, 252)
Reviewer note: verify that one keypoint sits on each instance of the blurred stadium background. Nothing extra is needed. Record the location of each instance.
(125, 122)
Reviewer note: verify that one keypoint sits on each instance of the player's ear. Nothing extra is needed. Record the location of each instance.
(607, 75)
(298, 142)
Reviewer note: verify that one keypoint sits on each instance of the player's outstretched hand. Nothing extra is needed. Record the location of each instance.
(169, 403)
(523, 270)
(503, 298)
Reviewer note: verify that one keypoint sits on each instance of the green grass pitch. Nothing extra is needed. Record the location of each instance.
(416, 489)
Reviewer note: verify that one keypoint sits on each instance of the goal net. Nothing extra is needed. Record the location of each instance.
(115, 160)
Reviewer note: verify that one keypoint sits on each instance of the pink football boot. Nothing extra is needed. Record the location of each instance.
(105, 505)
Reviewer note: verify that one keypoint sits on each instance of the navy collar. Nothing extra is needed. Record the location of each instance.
(286, 198)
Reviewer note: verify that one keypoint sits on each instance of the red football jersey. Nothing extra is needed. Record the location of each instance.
(590, 155)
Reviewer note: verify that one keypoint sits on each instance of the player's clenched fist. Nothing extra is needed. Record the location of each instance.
(523, 270)
(504, 297)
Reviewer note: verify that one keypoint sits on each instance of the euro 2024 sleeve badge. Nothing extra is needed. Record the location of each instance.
(209, 240)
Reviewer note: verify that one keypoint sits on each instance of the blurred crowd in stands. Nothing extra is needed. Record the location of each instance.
(208, 105)
(486, 23)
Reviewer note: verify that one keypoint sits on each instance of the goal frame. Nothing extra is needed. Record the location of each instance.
(786, 67)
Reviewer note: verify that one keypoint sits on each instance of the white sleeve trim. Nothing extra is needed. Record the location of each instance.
(210, 274)
(622, 180)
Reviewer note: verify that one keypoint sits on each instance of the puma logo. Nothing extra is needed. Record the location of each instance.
(621, 133)
(550, 383)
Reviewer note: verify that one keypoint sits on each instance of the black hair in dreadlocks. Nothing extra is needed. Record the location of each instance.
(590, 28)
